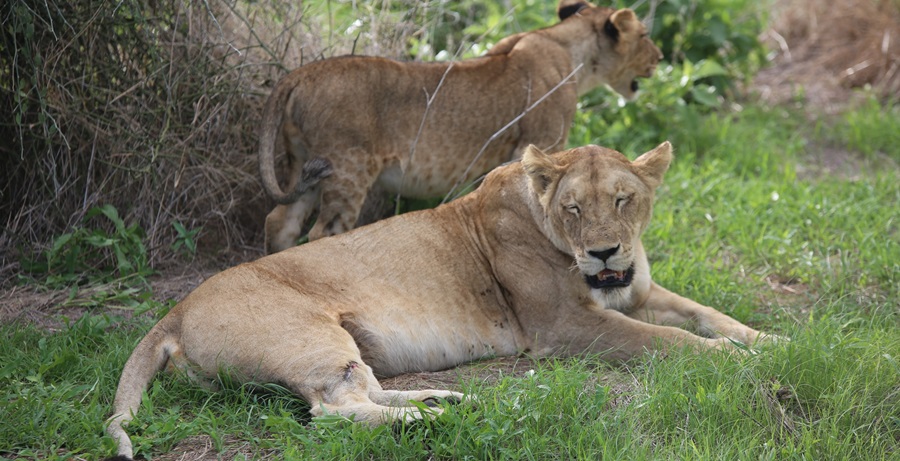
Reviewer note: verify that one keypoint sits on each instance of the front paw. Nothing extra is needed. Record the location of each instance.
(770, 339)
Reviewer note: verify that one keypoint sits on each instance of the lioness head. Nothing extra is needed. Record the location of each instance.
(595, 205)
(623, 52)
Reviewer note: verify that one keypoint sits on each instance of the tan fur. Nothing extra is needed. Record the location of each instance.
(501, 271)
(371, 117)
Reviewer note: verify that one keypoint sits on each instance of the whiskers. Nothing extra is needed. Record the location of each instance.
(574, 267)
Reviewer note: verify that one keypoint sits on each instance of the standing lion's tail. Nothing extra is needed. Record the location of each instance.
(148, 358)
(314, 170)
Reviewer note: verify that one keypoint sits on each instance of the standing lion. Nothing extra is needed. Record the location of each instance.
(422, 129)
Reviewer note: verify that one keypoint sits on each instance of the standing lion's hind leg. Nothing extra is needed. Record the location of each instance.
(345, 192)
(284, 224)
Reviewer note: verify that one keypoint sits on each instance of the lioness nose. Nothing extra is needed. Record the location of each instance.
(603, 255)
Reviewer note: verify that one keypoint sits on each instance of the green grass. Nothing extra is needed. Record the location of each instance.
(738, 225)
(733, 226)
(732, 218)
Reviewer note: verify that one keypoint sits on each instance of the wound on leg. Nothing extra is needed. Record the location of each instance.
(348, 370)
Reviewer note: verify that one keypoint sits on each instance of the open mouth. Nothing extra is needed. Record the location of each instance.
(609, 279)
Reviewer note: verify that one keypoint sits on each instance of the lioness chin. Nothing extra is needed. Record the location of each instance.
(544, 258)
(422, 129)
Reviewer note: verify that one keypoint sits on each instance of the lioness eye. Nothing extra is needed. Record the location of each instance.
(620, 202)
(573, 209)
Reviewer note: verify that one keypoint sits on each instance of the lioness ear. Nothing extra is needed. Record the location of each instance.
(541, 168)
(620, 22)
(652, 165)
(567, 8)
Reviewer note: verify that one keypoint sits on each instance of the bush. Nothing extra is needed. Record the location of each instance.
(710, 49)
(720, 33)
(91, 252)
(144, 106)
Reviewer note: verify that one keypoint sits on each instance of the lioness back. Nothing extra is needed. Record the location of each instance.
(427, 129)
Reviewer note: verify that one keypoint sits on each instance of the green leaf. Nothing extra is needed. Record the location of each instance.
(708, 68)
(706, 95)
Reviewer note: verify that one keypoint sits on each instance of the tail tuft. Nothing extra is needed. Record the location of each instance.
(315, 169)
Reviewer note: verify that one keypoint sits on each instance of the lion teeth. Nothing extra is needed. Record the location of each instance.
(607, 274)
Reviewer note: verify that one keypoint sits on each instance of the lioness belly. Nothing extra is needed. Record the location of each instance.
(393, 346)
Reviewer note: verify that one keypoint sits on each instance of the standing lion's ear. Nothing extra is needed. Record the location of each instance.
(568, 8)
(541, 168)
(621, 22)
(652, 165)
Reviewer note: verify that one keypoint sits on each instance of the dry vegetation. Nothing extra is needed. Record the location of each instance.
(148, 106)
(823, 48)
(131, 105)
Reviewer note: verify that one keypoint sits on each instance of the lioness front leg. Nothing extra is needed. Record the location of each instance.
(616, 336)
(662, 307)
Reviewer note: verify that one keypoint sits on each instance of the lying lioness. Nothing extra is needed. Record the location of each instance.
(544, 258)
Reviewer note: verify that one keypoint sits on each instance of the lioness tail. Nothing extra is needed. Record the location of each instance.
(148, 358)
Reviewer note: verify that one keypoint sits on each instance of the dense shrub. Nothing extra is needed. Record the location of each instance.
(145, 106)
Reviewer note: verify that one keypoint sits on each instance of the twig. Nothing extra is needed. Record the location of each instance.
(259, 42)
(219, 26)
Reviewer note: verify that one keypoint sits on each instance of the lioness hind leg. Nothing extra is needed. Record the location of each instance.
(356, 394)
(402, 398)
(374, 414)
(284, 224)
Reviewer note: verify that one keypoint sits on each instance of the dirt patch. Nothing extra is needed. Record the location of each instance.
(52, 309)
(203, 447)
(826, 48)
